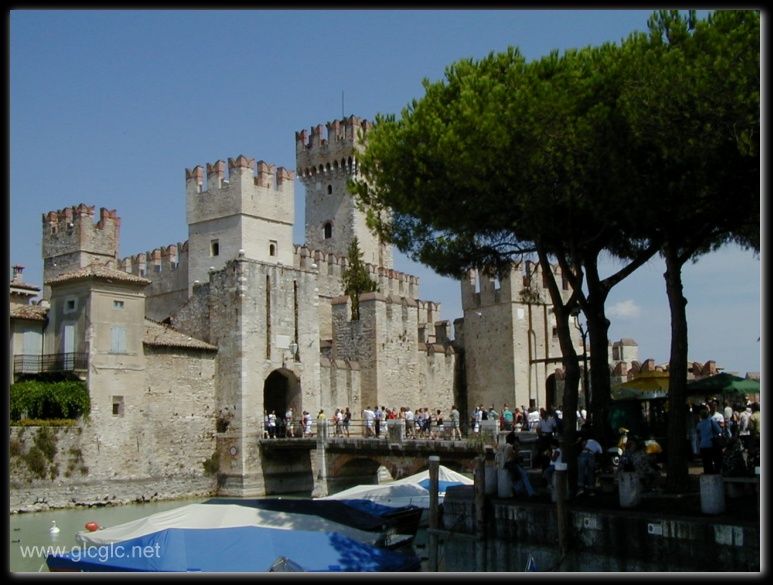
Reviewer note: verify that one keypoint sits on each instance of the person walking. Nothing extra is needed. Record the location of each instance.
(457, 433)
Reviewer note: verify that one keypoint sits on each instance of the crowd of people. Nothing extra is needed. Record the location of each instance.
(726, 440)
(420, 423)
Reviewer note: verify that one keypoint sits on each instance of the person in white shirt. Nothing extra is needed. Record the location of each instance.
(379, 415)
(289, 430)
(590, 451)
(369, 416)
(409, 429)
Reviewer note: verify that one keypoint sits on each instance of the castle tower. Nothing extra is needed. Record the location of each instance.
(71, 240)
(325, 161)
(511, 342)
(252, 209)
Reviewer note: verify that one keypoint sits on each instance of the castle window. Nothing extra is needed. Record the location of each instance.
(117, 405)
(272, 248)
(118, 339)
(214, 248)
(328, 230)
(157, 267)
(70, 305)
(118, 305)
(330, 189)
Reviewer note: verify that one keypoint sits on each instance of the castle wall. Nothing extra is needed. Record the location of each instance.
(396, 369)
(193, 317)
(436, 377)
(167, 269)
(156, 446)
(329, 269)
(340, 387)
(179, 410)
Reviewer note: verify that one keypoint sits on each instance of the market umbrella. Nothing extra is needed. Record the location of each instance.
(723, 383)
(646, 386)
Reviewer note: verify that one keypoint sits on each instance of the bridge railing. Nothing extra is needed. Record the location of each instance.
(393, 430)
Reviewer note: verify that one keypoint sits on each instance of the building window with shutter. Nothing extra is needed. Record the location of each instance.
(118, 339)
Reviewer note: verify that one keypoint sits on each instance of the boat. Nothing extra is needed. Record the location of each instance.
(242, 549)
(408, 491)
(397, 524)
(230, 515)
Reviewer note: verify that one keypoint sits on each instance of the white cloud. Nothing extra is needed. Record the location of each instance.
(627, 309)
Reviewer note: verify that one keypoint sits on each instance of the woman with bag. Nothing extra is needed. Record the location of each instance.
(709, 431)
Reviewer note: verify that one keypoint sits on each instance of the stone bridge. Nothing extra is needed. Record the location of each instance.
(325, 465)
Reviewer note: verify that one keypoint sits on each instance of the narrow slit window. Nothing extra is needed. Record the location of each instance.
(214, 248)
(328, 230)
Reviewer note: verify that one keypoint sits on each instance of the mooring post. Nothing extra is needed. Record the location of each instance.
(320, 484)
(480, 497)
(561, 487)
(434, 470)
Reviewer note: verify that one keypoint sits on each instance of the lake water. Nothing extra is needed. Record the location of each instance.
(31, 541)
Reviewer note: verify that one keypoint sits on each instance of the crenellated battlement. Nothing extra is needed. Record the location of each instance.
(330, 267)
(159, 260)
(525, 284)
(242, 172)
(79, 218)
(330, 148)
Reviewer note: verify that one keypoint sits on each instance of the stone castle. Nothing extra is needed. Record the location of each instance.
(238, 320)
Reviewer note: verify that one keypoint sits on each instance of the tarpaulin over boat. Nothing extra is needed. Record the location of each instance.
(234, 549)
(222, 516)
(411, 490)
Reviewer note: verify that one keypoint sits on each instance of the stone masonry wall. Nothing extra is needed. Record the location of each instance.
(395, 369)
(180, 411)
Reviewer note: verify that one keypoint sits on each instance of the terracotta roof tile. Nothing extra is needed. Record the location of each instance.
(32, 312)
(162, 336)
(100, 273)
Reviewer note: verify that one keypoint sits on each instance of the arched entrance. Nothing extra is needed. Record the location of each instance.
(282, 389)
(554, 392)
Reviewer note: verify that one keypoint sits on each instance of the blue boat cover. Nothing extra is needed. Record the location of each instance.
(442, 485)
(234, 549)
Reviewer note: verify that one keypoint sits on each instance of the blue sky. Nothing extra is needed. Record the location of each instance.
(109, 108)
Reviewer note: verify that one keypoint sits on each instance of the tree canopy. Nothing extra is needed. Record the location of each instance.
(624, 150)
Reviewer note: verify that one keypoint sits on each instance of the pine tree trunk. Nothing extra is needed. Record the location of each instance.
(677, 447)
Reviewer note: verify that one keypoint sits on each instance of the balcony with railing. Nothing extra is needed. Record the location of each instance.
(49, 362)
